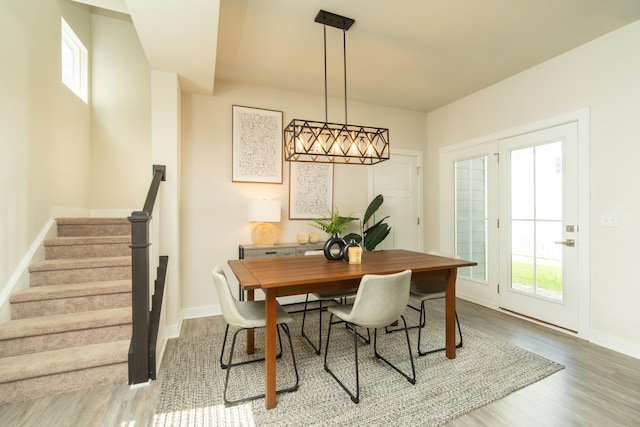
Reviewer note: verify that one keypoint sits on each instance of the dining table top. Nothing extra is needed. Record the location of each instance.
(291, 271)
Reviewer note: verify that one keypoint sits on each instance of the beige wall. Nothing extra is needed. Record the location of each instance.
(58, 154)
(121, 114)
(44, 127)
(214, 209)
(603, 76)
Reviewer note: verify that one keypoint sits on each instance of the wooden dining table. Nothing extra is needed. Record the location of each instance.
(295, 275)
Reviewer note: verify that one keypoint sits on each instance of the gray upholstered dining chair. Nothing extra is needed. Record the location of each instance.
(380, 301)
(428, 290)
(323, 297)
(245, 315)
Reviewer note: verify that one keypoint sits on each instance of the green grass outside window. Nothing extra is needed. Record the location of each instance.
(549, 277)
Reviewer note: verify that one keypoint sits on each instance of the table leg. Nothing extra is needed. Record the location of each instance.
(450, 314)
(270, 351)
(250, 332)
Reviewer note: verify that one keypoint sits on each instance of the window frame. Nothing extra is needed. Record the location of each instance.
(76, 62)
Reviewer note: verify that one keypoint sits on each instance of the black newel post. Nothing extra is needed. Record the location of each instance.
(138, 352)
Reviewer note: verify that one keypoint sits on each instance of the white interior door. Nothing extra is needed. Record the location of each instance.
(539, 225)
(399, 180)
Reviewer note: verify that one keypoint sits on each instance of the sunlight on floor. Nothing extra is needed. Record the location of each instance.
(218, 415)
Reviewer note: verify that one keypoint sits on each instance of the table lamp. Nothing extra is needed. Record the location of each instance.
(264, 212)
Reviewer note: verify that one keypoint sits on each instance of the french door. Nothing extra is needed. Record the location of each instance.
(539, 225)
(510, 202)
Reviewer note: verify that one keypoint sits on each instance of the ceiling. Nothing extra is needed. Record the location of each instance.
(411, 54)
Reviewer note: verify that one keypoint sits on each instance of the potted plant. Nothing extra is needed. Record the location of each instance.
(334, 225)
(375, 233)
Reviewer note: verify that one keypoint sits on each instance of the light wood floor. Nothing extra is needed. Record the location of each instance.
(598, 387)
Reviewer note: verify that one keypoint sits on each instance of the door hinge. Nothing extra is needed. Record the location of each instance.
(418, 220)
(498, 223)
(418, 170)
(498, 287)
(497, 157)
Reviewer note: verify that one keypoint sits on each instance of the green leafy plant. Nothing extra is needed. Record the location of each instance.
(374, 234)
(334, 224)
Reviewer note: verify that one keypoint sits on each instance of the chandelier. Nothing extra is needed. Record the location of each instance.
(324, 142)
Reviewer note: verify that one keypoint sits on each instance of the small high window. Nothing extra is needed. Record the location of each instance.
(75, 69)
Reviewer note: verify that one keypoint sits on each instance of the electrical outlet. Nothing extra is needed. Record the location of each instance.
(609, 220)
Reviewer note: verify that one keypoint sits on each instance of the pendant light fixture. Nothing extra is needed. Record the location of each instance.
(324, 142)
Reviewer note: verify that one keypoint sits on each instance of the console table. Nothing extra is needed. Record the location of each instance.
(277, 250)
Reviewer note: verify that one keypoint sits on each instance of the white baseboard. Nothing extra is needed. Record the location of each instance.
(483, 303)
(67, 212)
(111, 213)
(173, 331)
(616, 344)
(595, 337)
(202, 311)
(20, 277)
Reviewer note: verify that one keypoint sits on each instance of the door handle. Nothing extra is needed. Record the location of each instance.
(568, 242)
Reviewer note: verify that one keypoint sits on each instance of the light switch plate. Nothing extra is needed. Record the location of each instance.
(609, 220)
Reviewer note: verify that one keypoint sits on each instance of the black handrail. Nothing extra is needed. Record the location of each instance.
(141, 361)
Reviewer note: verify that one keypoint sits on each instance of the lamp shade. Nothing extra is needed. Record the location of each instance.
(264, 210)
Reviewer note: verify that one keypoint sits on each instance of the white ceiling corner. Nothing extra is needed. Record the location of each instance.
(410, 54)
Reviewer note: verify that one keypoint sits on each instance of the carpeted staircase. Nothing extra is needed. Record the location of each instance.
(72, 327)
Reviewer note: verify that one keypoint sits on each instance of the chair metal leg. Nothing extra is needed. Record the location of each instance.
(224, 343)
(355, 398)
(423, 321)
(367, 339)
(412, 378)
(318, 348)
(285, 327)
(230, 365)
(315, 347)
(419, 325)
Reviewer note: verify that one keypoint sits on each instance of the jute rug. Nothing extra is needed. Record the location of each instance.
(484, 370)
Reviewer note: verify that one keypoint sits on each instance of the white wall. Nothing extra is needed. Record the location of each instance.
(603, 76)
(44, 127)
(214, 209)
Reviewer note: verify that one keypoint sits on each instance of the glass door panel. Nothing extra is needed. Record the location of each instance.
(471, 215)
(536, 220)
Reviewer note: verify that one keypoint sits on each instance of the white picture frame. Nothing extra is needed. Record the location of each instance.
(310, 190)
(257, 145)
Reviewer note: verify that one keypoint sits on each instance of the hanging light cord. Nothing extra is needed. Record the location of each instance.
(344, 54)
(326, 110)
(344, 50)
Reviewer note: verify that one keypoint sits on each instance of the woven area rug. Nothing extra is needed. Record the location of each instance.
(484, 370)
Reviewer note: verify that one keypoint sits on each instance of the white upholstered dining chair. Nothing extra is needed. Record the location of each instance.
(380, 301)
(244, 315)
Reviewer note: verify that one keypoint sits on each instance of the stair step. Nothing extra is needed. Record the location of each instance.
(73, 227)
(30, 376)
(55, 332)
(63, 271)
(70, 298)
(87, 247)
